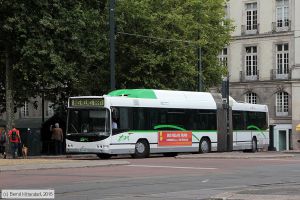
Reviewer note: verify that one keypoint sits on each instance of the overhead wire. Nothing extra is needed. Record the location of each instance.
(156, 38)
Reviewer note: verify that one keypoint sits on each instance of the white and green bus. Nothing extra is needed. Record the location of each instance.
(144, 121)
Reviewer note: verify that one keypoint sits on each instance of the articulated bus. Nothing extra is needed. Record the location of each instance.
(144, 121)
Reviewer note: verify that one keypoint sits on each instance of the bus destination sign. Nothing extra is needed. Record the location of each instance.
(88, 102)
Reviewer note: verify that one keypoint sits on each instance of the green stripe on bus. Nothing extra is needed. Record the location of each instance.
(249, 130)
(156, 131)
(134, 93)
(169, 126)
(257, 129)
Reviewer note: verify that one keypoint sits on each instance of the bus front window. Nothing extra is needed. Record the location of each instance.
(89, 121)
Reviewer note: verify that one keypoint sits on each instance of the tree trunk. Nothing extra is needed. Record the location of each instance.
(9, 92)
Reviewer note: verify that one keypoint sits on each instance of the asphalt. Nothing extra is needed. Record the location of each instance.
(239, 155)
(81, 161)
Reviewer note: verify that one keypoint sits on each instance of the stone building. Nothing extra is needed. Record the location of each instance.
(30, 116)
(263, 59)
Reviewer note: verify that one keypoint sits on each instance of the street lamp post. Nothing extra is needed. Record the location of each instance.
(227, 106)
(112, 43)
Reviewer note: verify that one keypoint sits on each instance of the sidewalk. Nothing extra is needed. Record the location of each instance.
(56, 162)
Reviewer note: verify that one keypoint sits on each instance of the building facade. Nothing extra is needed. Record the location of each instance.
(30, 115)
(263, 60)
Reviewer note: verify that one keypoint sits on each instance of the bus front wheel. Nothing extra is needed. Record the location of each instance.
(142, 149)
(204, 145)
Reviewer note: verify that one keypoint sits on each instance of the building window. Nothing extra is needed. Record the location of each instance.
(251, 98)
(251, 61)
(226, 15)
(251, 16)
(282, 13)
(226, 12)
(282, 104)
(282, 60)
(223, 57)
(24, 110)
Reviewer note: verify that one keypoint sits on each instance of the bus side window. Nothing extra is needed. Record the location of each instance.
(125, 118)
(115, 115)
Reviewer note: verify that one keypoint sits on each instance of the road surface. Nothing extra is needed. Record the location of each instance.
(163, 178)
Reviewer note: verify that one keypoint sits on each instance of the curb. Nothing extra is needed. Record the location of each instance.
(71, 164)
(291, 152)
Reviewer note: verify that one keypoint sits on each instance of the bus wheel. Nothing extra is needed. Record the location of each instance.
(104, 156)
(204, 145)
(254, 145)
(142, 149)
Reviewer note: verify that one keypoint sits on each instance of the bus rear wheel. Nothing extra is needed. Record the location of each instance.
(142, 149)
(104, 156)
(204, 145)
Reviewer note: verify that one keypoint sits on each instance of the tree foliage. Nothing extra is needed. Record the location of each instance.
(61, 46)
(53, 45)
(157, 42)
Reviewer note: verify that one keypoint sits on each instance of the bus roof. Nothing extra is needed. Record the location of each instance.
(162, 98)
(134, 93)
(169, 99)
(158, 94)
(249, 107)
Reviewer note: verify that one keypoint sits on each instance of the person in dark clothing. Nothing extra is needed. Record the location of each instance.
(2, 142)
(57, 137)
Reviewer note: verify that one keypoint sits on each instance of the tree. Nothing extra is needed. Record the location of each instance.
(157, 42)
(60, 48)
(50, 46)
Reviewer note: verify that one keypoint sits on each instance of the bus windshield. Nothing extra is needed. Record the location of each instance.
(89, 121)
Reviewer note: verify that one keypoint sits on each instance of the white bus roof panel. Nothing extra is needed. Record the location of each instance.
(168, 99)
(249, 107)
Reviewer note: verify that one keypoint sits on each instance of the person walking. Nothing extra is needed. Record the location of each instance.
(26, 140)
(57, 137)
(15, 140)
(2, 142)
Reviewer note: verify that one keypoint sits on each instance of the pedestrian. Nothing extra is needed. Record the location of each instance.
(27, 138)
(114, 124)
(57, 137)
(2, 142)
(15, 140)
